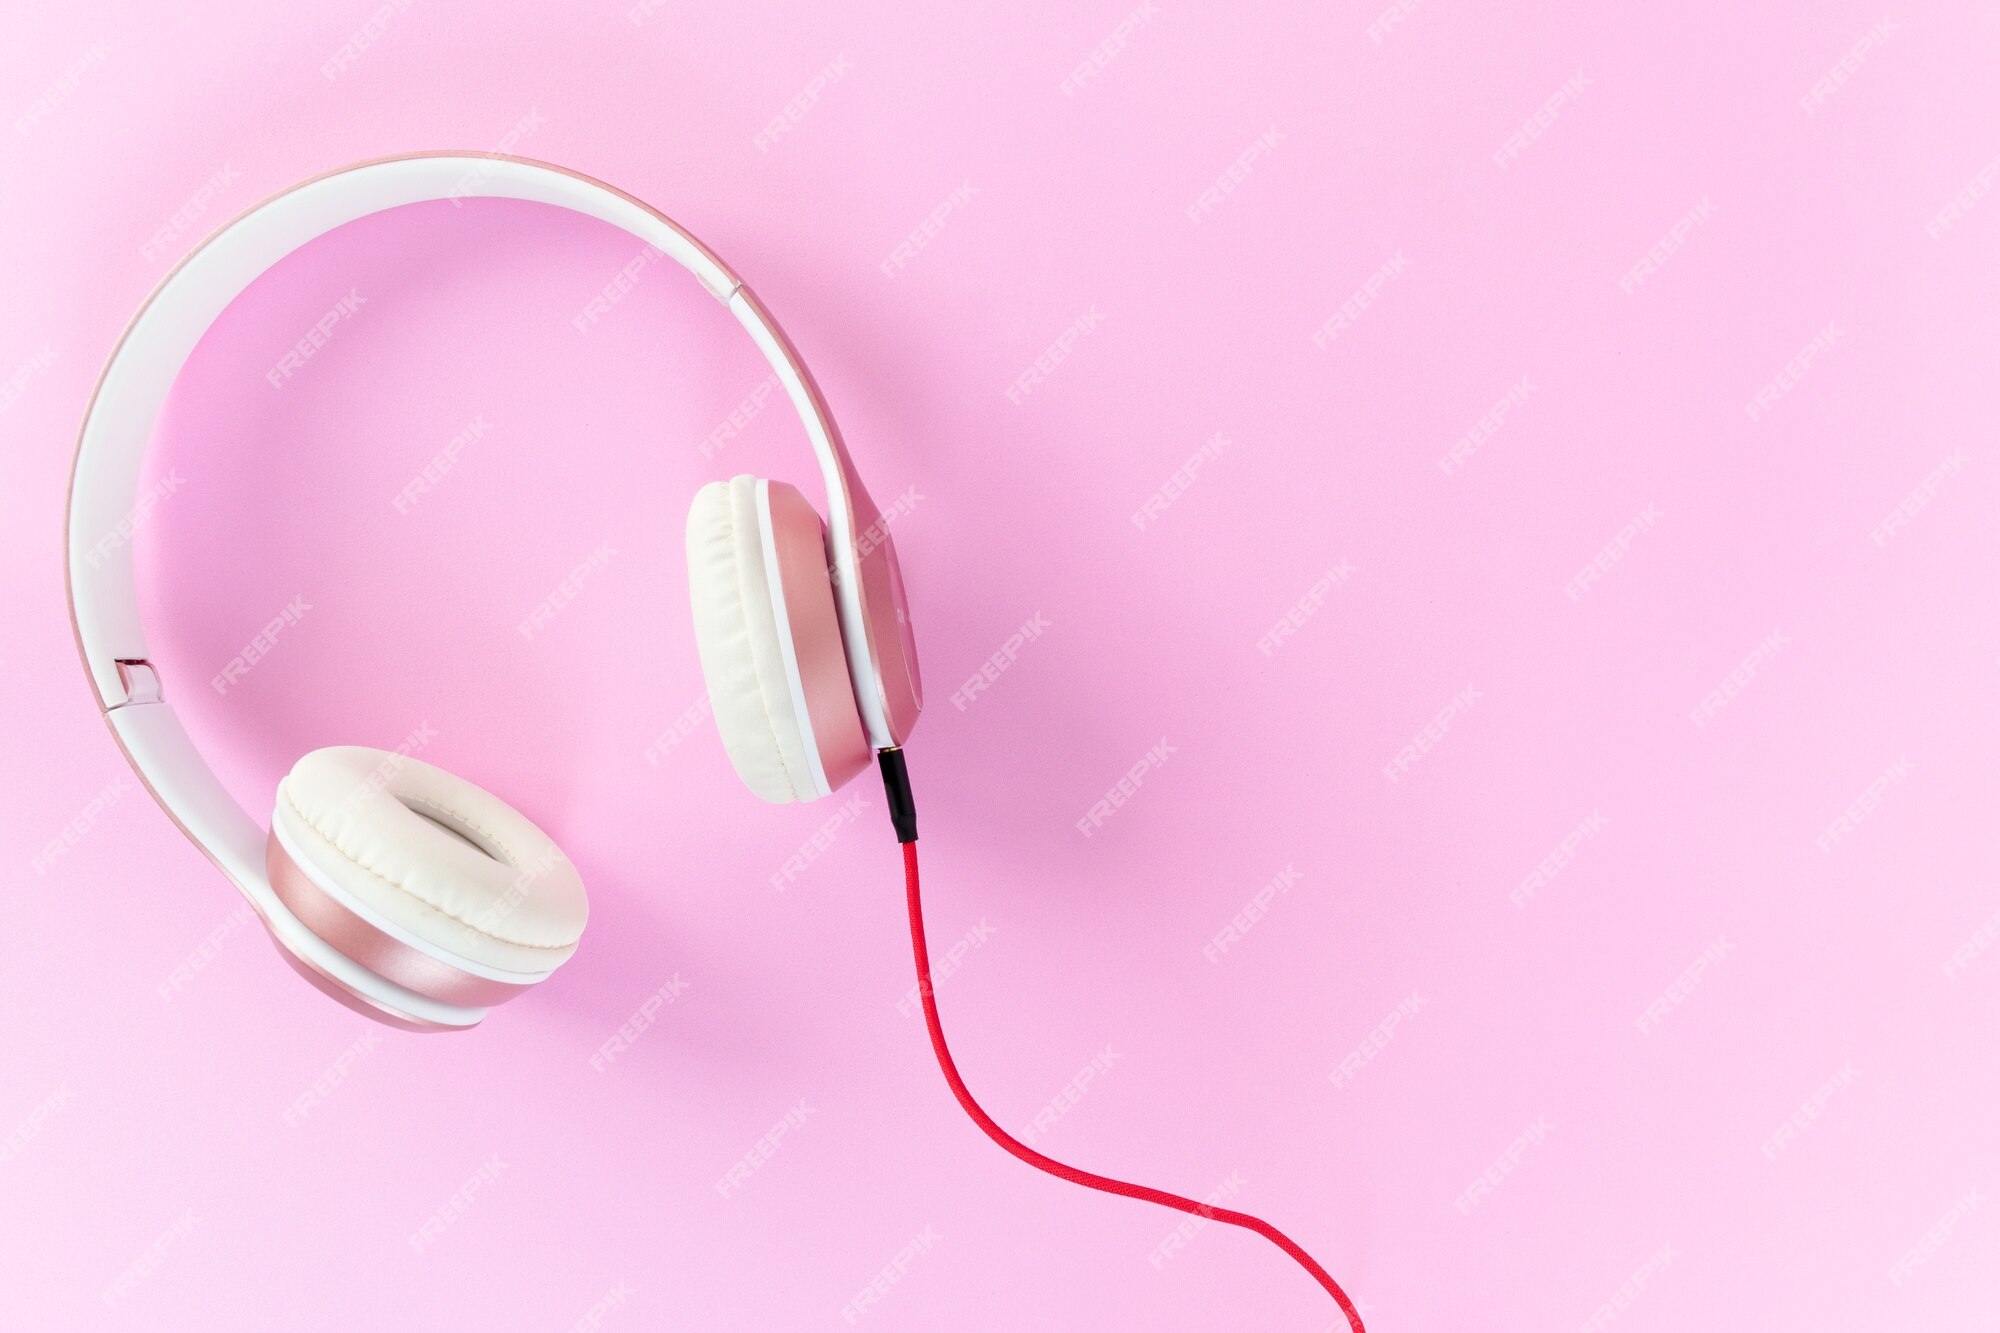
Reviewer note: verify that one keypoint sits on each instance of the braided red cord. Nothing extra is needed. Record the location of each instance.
(1070, 1173)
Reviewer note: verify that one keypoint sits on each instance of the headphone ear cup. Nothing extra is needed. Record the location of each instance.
(769, 640)
(421, 877)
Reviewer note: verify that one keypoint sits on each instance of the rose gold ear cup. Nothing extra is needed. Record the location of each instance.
(356, 1001)
(805, 595)
(890, 635)
(371, 947)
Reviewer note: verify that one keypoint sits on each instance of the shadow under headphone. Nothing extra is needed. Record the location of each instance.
(415, 896)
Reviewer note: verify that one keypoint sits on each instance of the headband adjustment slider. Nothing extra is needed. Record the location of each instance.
(140, 682)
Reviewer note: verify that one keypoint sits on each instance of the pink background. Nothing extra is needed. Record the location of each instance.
(138, 1111)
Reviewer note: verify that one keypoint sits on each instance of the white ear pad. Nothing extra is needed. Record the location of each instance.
(431, 860)
(736, 633)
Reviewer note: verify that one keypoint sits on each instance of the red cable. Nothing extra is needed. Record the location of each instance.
(1070, 1173)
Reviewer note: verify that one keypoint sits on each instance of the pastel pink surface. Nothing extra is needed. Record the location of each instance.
(192, 1130)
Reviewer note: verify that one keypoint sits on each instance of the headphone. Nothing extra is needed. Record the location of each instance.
(411, 894)
(399, 888)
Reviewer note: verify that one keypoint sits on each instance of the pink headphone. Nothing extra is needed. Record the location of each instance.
(395, 886)
(413, 895)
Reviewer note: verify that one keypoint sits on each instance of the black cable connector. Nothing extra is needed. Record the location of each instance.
(896, 784)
